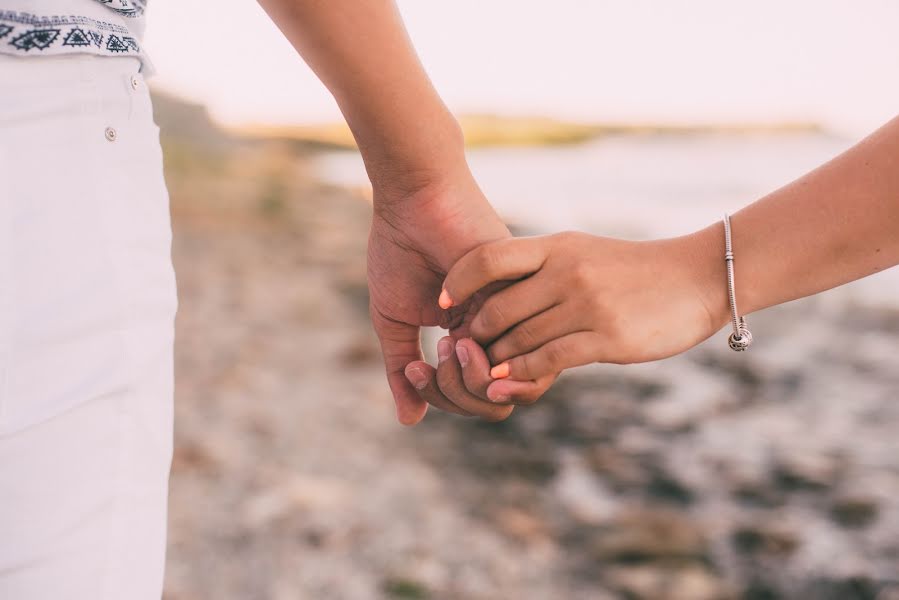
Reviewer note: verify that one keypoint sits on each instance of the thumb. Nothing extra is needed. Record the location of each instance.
(400, 345)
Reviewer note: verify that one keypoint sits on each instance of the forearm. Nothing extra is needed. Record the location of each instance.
(360, 50)
(834, 225)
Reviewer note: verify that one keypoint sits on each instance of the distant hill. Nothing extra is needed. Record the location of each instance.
(190, 123)
(184, 121)
(493, 130)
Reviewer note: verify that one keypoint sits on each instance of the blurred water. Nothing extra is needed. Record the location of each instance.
(643, 186)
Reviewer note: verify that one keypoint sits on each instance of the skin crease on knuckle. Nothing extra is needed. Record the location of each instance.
(489, 259)
(527, 366)
(568, 242)
(520, 340)
(489, 321)
(555, 355)
(525, 337)
(496, 356)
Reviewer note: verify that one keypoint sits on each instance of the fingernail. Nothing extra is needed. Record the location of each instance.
(417, 378)
(500, 371)
(444, 301)
(502, 398)
(462, 353)
(495, 396)
(444, 349)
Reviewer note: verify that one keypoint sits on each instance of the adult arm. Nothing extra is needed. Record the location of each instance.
(360, 50)
(428, 210)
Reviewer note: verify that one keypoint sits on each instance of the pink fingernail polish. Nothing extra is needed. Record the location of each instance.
(417, 378)
(500, 371)
(444, 349)
(445, 301)
(462, 354)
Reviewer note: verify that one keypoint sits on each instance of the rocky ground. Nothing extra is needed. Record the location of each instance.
(769, 475)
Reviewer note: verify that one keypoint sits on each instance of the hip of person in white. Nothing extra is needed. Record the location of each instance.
(87, 305)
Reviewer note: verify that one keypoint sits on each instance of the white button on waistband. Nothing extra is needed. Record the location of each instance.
(135, 82)
(111, 134)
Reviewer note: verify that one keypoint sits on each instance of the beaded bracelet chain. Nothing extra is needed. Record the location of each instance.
(741, 338)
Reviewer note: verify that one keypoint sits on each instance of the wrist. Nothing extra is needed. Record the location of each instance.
(708, 272)
(403, 158)
(441, 210)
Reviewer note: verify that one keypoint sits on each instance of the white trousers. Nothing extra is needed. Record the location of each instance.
(87, 305)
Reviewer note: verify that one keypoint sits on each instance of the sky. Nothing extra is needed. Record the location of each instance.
(693, 61)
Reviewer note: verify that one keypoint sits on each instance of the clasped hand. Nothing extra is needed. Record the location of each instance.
(521, 310)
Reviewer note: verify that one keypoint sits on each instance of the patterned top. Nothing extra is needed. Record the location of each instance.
(49, 27)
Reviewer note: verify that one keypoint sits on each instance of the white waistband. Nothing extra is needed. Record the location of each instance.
(18, 70)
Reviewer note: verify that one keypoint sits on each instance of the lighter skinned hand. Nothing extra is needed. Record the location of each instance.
(578, 299)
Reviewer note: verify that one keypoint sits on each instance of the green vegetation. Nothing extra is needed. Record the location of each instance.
(405, 589)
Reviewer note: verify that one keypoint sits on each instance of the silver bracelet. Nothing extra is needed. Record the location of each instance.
(741, 338)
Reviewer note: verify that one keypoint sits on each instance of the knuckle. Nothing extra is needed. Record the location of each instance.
(556, 353)
(595, 307)
(565, 236)
(491, 315)
(497, 353)
(567, 239)
(489, 259)
(616, 330)
(620, 344)
(582, 274)
(523, 337)
(478, 331)
(527, 365)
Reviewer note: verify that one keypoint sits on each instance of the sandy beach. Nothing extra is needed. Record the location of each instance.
(709, 476)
